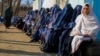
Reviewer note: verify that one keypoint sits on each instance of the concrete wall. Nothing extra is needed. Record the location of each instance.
(48, 3)
(35, 5)
(62, 3)
(75, 2)
(40, 3)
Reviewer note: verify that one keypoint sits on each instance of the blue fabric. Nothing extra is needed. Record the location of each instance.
(65, 33)
(14, 20)
(53, 19)
(43, 18)
(76, 12)
(27, 20)
(1, 20)
(65, 16)
(56, 14)
(53, 38)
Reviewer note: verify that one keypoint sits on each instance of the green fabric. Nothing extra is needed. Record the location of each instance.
(8, 12)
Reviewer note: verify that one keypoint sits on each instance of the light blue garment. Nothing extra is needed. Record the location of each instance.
(14, 20)
(28, 22)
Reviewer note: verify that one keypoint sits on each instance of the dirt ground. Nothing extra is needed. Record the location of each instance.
(14, 42)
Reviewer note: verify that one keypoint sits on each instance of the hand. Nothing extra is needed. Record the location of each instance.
(77, 33)
(86, 35)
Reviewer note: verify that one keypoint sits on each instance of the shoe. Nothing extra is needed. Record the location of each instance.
(28, 34)
(32, 40)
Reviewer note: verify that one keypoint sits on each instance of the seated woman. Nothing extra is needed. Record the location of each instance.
(84, 32)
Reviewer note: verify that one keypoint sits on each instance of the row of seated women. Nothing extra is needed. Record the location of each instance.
(52, 27)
